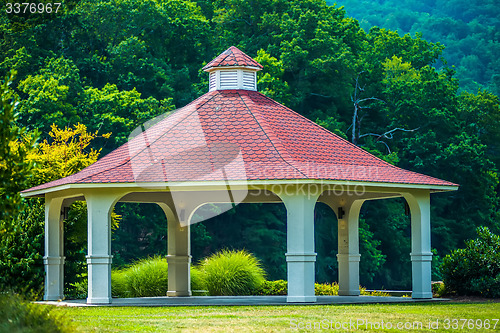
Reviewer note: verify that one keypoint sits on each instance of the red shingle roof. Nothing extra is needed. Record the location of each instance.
(239, 135)
(232, 57)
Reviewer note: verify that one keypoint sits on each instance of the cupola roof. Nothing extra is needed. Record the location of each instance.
(232, 57)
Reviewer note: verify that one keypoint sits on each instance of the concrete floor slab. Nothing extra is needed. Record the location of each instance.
(240, 301)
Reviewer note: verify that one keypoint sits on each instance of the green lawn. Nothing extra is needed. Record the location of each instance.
(283, 318)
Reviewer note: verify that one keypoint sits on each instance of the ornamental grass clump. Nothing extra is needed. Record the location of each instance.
(198, 287)
(232, 273)
(145, 278)
(119, 285)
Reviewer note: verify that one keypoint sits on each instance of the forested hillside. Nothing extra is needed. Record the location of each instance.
(470, 30)
(112, 65)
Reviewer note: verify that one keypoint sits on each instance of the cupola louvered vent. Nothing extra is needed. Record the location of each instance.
(228, 79)
(213, 81)
(249, 79)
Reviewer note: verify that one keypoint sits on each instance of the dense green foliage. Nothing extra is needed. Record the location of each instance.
(141, 234)
(474, 270)
(276, 287)
(21, 252)
(111, 65)
(14, 167)
(260, 229)
(469, 30)
(227, 273)
(18, 315)
(22, 241)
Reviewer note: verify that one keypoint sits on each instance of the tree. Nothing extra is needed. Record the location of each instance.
(51, 95)
(21, 251)
(481, 111)
(15, 145)
(21, 245)
(56, 96)
(119, 112)
(156, 47)
(469, 31)
(14, 168)
(65, 154)
(142, 233)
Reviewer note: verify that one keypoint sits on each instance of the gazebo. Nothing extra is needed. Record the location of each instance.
(235, 145)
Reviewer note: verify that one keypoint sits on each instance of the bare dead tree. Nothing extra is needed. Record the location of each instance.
(388, 135)
(358, 117)
(358, 107)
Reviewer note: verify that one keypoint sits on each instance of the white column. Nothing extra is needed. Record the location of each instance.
(179, 252)
(54, 244)
(348, 255)
(300, 254)
(421, 255)
(179, 257)
(99, 208)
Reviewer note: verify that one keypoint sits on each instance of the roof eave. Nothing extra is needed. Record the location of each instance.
(202, 185)
(213, 68)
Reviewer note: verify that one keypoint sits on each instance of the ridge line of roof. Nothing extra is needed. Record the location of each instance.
(267, 135)
(204, 133)
(227, 55)
(219, 61)
(130, 158)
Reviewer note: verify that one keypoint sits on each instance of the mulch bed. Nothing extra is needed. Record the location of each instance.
(472, 299)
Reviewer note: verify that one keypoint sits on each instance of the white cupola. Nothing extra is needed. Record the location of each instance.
(232, 69)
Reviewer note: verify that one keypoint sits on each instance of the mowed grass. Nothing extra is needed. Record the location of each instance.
(282, 318)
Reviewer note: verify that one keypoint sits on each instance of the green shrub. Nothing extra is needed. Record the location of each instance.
(487, 286)
(364, 292)
(325, 289)
(278, 287)
(18, 315)
(232, 273)
(474, 270)
(79, 289)
(438, 289)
